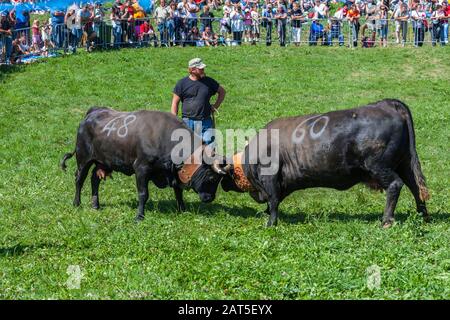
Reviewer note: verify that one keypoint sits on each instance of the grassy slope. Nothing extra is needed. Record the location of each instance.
(325, 240)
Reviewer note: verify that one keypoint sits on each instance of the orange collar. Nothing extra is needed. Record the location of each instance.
(239, 176)
(188, 169)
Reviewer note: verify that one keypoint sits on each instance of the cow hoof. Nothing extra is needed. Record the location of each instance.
(95, 207)
(271, 224)
(427, 218)
(76, 203)
(387, 224)
(138, 219)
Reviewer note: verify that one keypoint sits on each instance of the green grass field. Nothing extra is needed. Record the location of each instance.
(327, 243)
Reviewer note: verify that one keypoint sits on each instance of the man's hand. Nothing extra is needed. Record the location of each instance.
(175, 102)
(221, 95)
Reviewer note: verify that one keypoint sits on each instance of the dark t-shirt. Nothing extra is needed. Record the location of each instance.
(206, 19)
(297, 23)
(195, 96)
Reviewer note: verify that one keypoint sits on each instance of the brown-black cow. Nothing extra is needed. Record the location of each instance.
(141, 143)
(372, 144)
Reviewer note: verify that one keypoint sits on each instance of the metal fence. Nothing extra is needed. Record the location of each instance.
(117, 34)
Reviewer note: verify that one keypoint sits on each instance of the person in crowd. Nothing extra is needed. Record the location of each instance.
(419, 23)
(267, 22)
(180, 25)
(193, 37)
(170, 24)
(256, 21)
(36, 36)
(237, 24)
(382, 23)
(353, 16)
(370, 9)
(316, 32)
(46, 34)
(99, 25)
(16, 52)
(335, 31)
(192, 8)
(22, 21)
(87, 20)
(162, 15)
(297, 19)
(115, 17)
(320, 10)
(225, 26)
(446, 8)
(206, 19)
(147, 34)
(401, 17)
(281, 18)
(437, 30)
(247, 24)
(209, 37)
(58, 27)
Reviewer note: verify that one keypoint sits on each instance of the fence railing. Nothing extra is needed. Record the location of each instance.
(108, 34)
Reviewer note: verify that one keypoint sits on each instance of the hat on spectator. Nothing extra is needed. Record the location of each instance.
(196, 63)
(180, 5)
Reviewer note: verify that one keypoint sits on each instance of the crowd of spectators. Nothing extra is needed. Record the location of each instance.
(223, 22)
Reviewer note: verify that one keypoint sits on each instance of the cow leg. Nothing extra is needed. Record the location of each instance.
(179, 196)
(273, 209)
(407, 176)
(272, 189)
(142, 179)
(79, 181)
(392, 184)
(95, 183)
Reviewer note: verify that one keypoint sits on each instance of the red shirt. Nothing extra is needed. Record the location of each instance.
(145, 27)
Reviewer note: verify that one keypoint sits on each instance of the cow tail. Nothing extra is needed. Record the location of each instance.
(415, 163)
(65, 158)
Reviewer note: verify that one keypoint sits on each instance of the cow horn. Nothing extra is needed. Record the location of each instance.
(217, 168)
(227, 168)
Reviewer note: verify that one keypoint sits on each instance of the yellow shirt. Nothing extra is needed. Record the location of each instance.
(138, 12)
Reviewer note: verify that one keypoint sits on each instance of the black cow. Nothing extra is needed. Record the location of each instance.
(139, 143)
(372, 144)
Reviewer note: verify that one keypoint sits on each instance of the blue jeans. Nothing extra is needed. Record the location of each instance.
(164, 27)
(117, 33)
(445, 26)
(58, 35)
(200, 127)
(6, 41)
(76, 37)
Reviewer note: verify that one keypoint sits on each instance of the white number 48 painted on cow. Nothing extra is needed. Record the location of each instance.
(122, 131)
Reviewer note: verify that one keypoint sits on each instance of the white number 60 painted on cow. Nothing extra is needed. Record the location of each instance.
(299, 133)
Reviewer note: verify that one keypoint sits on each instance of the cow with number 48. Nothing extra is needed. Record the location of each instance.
(142, 143)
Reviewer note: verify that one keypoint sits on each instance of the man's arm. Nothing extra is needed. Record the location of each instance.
(175, 102)
(221, 95)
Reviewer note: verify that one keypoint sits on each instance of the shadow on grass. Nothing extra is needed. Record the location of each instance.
(209, 209)
(350, 217)
(205, 209)
(7, 70)
(20, 249)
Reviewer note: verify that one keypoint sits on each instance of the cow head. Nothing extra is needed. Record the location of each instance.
(202, 176)
(228, 184)
(206, 180)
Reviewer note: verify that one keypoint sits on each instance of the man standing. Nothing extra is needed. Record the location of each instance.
(162, 15)
(195, 91)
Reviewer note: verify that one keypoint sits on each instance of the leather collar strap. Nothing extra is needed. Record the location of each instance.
(191, 166)
(239, 177)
